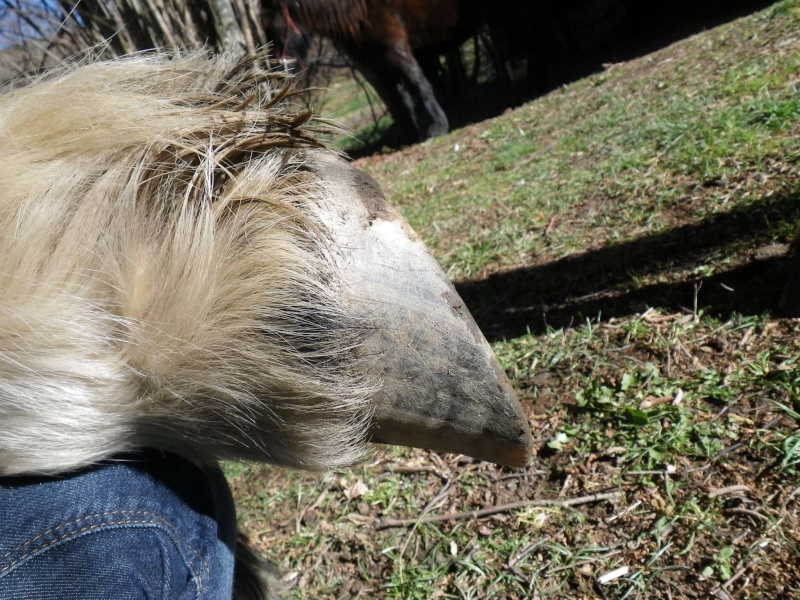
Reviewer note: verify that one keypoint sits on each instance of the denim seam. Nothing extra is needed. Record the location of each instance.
(152, 519)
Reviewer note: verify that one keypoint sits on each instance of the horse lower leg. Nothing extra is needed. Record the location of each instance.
(430, 116)
(384, 78)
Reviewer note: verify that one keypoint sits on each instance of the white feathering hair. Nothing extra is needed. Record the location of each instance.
(162, 281)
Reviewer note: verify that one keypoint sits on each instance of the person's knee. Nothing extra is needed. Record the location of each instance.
(124, 562)
(142, 527)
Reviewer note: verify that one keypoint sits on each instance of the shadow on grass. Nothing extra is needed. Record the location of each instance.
(603, 281)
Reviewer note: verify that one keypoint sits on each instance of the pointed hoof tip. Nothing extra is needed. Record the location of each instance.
(490, 446)
(507, 454)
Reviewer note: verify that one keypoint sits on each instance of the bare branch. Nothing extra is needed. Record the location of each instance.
(492, 510)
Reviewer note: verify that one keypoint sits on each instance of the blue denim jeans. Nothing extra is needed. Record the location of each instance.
(143, 526)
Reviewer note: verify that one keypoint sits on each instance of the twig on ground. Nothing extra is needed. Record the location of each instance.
(670, 470)
(721, 594)
(492, 510)
(747, 512)
(727, 450)
(549, 229)
(512, 561)
(580, 563)
(735, 576)
(317, 503)
(731, 489)
(565, 485)
(624, 512)
(439, 498)
(727, 407)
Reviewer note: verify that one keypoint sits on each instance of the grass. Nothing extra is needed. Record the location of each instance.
(606, 238)
(621, 135)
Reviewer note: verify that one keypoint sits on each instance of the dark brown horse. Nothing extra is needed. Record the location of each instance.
(385, 39)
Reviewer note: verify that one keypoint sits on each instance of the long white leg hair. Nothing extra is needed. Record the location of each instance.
(162, 282)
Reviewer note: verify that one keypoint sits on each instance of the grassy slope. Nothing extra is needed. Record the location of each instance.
(608, 237)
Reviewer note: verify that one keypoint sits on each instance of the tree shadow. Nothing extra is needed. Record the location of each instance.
(603, 281)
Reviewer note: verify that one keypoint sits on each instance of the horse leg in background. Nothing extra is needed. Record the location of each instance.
(397, 77)
(431, 118)
(387, 85)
